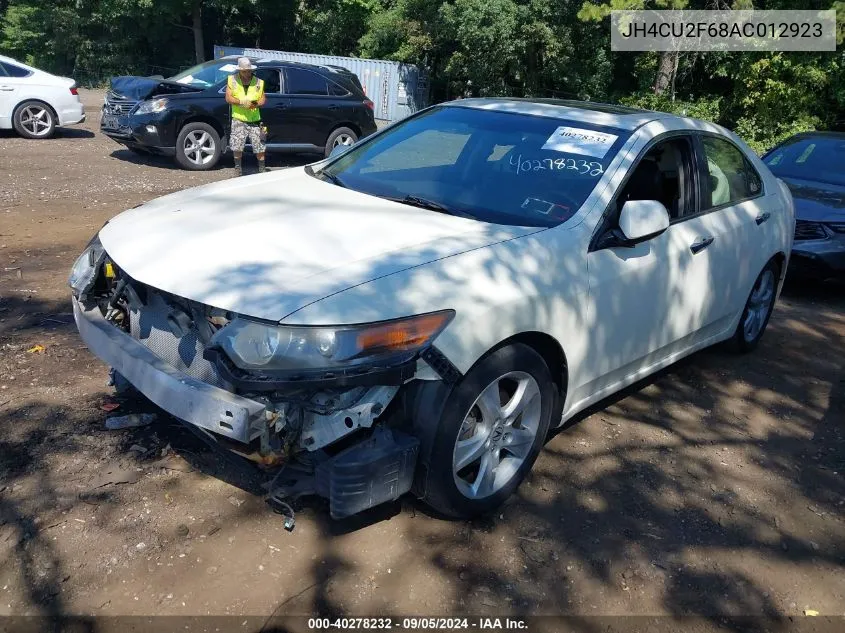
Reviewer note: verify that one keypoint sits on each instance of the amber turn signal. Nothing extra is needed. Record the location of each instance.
(404, 334)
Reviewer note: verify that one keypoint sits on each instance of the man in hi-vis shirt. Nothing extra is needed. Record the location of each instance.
(245, 93)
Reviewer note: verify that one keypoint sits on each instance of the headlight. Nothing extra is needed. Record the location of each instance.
(253, 345)
(151, 106)
(84, 271)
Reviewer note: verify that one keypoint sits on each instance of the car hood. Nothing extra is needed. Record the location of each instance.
(138, 88)
(269, 244)
(817, 201)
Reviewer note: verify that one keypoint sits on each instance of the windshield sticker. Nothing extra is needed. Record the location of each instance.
(228, 68)
(579, 165)
(544, 206)
(803, 158)
(573, 140)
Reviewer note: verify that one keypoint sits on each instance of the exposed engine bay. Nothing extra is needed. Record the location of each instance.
(334, 437)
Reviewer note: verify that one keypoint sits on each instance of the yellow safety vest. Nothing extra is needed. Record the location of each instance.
(253, 93)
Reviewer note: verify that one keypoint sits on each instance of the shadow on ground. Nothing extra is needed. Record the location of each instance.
(680, 486)
(61, 133)
(274, 161)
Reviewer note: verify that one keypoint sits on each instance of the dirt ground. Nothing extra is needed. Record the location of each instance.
(715, 488)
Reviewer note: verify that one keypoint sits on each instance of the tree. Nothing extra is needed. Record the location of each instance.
(667, 64)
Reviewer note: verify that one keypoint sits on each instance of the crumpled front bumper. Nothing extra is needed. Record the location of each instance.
(184, 397)
(819, 258)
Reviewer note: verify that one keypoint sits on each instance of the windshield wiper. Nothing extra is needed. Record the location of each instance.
(423, 203)
(322, 175)
(431, 205)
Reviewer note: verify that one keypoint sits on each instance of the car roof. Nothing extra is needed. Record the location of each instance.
(273, 62)
(11, 60)
(620, 117)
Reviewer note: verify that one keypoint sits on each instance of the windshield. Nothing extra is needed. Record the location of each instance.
(206, 74)
(819, 158)
(498, 167)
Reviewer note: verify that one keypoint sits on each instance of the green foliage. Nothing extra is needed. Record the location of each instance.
(541, 48)
(706, 109)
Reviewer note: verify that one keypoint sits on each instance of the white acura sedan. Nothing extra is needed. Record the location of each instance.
(416, 312)
(34, 102)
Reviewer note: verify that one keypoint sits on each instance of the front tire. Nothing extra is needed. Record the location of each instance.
(341, 136)
(198, 146)
(492, 428)
(34, 119)
(758, 310)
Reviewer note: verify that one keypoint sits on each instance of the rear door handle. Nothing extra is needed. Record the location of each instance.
(700, 244)
(762, 218)
(7, 88)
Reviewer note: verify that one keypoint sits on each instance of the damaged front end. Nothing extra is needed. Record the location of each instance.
(315, 406)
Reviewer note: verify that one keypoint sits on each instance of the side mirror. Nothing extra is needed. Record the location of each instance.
(641, 220)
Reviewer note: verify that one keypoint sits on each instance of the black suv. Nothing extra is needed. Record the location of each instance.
(309, 109)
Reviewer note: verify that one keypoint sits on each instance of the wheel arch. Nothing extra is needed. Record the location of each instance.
(41, 101)
(779, 258)
(202, 118)
(352, 126)
(549, 349)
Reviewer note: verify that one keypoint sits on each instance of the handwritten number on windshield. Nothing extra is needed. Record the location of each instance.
(581, 166)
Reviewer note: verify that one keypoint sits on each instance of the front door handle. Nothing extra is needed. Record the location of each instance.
(700, 244)
(762, 218)
(6, 88)
(281, 106)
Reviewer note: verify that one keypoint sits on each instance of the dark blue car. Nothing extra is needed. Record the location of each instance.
(813, 166)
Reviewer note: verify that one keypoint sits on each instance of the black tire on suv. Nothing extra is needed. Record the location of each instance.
(198, 146)
(340, 136)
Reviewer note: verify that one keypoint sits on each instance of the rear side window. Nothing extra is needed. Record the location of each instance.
(731, 177)
(11, 70)
(336, 90)
(305, 82)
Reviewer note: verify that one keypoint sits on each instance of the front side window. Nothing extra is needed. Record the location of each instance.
(498, 167)
(731, 177)
(305, 82)
(272, 82)
(664, 174)
(818, 158)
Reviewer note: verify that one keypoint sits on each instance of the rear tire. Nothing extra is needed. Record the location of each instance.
(340, 136)
(198, 146)
(758, 310)
(482, 450)
(34, 119)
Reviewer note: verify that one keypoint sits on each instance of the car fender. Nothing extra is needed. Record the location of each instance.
(498, 292)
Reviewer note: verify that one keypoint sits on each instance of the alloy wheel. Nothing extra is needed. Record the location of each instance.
(199, 147)
(497, 435)
(343, 139)
(759, 305)
(36, 120)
